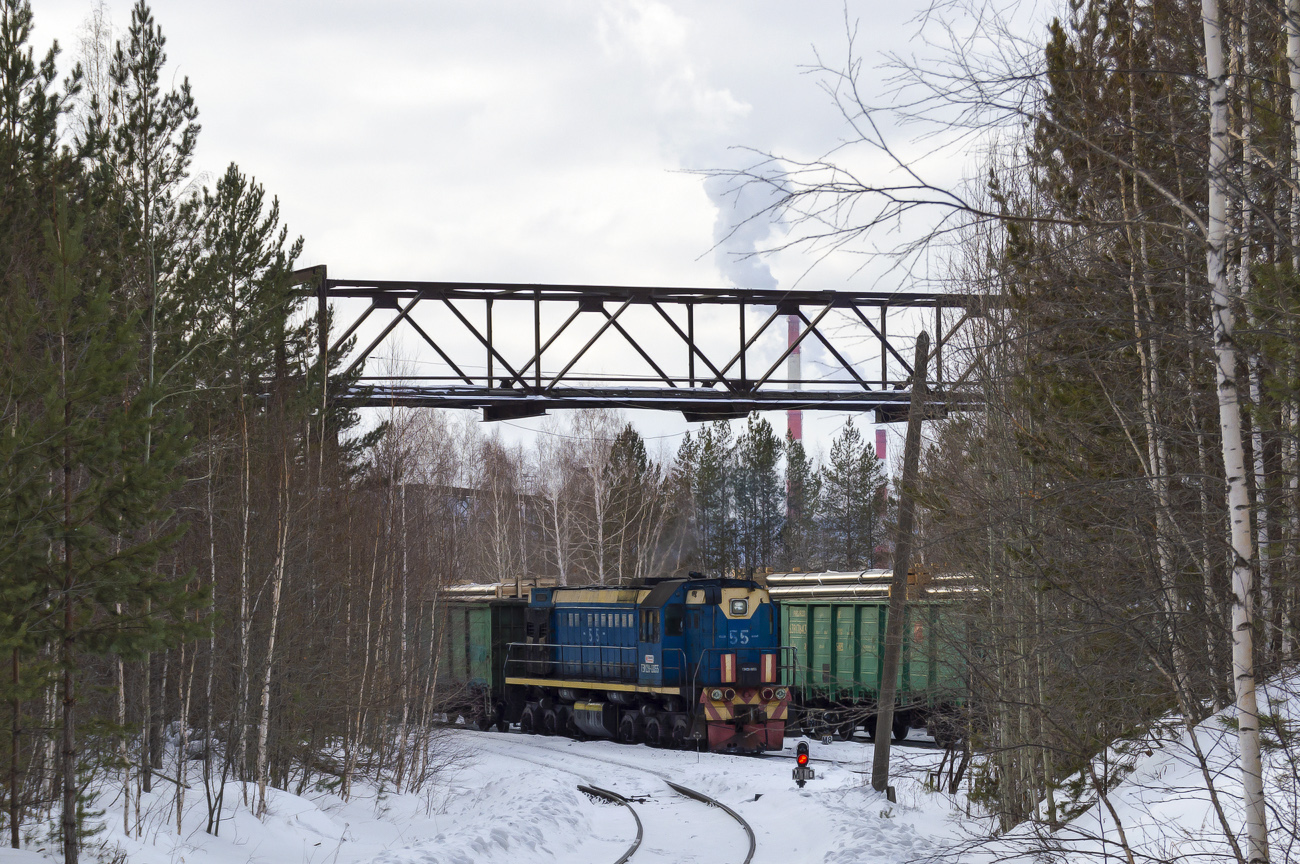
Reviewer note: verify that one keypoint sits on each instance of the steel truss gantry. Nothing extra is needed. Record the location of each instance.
(510, 377)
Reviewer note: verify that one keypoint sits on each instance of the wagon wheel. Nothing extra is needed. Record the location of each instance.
(943, 725)
(847, 728)
(550, 722)
(503, 725)
(870, 727)
(902, 725)
(483, 720)
(628, 733)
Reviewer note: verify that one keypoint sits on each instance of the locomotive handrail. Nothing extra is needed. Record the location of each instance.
(680, 667)
(551, 649)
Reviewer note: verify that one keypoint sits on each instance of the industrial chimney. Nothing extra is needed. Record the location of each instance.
(794, 417)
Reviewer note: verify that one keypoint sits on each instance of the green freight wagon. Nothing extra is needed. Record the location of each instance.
(838, 657)
(472, 654)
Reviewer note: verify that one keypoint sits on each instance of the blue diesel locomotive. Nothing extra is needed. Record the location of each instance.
(671, 662)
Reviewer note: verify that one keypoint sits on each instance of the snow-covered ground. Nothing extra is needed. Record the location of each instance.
(513, 799)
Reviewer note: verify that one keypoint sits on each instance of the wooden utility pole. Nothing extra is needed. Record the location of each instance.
(902, 563)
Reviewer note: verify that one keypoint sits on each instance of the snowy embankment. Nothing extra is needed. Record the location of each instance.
(1179, 799)
(513, 798)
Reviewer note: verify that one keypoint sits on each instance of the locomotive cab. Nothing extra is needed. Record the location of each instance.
(661, 642)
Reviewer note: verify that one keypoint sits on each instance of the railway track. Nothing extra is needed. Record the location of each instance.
(616, 798)
(668, 829)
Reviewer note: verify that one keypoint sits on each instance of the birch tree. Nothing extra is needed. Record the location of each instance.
(1234, 465)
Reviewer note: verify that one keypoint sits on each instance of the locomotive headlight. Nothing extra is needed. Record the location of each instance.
(780, 692)
(715, 694)
(766, 693)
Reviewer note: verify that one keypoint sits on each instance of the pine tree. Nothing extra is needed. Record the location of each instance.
(712, 487)
(703, 476)
(110, 479)
(634, 502)
(759, 502)
(137, 151)
(799, 542)
(853, 505)
(30, 108)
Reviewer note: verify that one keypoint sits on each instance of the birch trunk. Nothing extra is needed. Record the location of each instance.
(15, 733)
(146, 725)
(277, 585)
(1253, 362)
(1225, 354)
(123, 750)
(402, 662)
(1293, 74)
(561, 540)
(156, 737)
(212, 643)
(360, 715)
(67, 655)
(245, 613)
(184, 689)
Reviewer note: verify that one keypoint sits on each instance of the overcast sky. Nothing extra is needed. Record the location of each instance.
(524, 141)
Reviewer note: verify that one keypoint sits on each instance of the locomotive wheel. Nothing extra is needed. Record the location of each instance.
(680, 733)
(503, 725)
(654, 732)
(627, 730)
(550, 722)
(528, 721)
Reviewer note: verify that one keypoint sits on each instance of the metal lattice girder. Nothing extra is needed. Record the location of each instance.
(668, 366)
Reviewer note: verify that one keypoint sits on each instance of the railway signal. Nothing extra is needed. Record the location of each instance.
(802, 772)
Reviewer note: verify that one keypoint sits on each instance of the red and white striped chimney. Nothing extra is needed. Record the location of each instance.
(794, 417)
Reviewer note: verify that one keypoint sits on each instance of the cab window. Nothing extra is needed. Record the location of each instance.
(649, 625)
(673, 621)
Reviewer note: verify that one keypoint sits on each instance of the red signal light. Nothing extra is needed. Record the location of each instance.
(801, 753)
(803, 758)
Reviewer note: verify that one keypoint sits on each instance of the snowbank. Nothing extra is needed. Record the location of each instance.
(513, 799)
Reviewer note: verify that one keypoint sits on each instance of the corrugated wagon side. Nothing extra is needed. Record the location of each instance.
(472, 653)
(838, 647)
